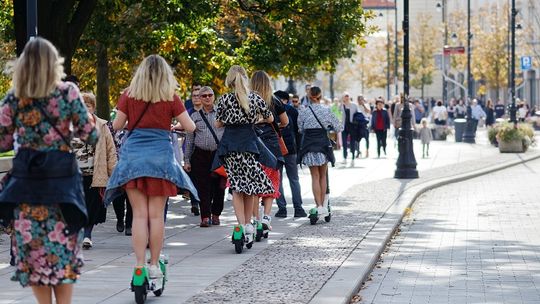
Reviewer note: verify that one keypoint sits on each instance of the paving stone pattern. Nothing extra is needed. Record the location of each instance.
(294, 268)
(476, 241)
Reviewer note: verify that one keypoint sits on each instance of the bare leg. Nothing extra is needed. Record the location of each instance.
(156, 209)
(139, 238)
(315, 185)
(248, 206)
(239, 207)
(322, 182)
(255, 207)
(267, 202)
(63, 293)
(43, 294)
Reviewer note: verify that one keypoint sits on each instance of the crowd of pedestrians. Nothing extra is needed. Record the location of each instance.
(243, 141)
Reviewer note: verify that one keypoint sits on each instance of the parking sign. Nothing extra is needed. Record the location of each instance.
(526, 63)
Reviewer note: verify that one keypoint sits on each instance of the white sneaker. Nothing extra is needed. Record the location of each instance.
(154, 272)
(87, 243)
(325, 202)
(249, 230)
(229, 196)
(266, 220)
(322, 211)
(344, 161)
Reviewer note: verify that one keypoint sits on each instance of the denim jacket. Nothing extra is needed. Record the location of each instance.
(147, 153)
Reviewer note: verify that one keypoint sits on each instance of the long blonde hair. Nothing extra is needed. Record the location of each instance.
(38, 70)
(153, 81)
(260, 83)
(238, 81)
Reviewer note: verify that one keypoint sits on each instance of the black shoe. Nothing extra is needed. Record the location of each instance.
(120, 226)
(300, 213)
(195, 210)
(282, 212)
(128, 231)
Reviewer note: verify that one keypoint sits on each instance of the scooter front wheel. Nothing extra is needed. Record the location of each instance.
(328, 218)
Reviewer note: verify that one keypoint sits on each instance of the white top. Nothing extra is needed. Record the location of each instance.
(439, 112)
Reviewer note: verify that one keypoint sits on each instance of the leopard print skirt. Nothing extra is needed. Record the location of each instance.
(246, 174)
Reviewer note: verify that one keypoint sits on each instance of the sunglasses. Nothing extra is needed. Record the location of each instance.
(295, 100)
(316, 97)
(206, 95)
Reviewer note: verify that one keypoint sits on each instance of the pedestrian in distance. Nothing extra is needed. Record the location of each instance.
(193, 101)
(365, 110)
(490, 113)
(499, 109)
(194, 105)
(316, 151)
(96, 163)
(348, 109)
(380, 123)
(439, 114)
(304, 102)
(44, 113)
(425, 137)
(289, 134)
(241, 152)
(477, 113)
(201, 147)
(121, 205)
(270, 134)
(148, 106)
(461, 109)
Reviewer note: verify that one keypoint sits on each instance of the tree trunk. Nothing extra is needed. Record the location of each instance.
(332, 86)
(60, 22)
(102, 73)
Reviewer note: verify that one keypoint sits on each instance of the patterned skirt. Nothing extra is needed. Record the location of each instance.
(45, 256)
(313, 159)
(246, 174)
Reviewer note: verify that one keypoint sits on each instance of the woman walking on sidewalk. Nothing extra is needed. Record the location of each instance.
(147, 169)
(241, 152)
(97, 163)
(270, 135)
(316, 151)
(44, 113)
(380, 123)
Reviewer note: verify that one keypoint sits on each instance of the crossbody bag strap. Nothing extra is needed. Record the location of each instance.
(142, 114)
(317, 118)
(47, 117)
(209, 127)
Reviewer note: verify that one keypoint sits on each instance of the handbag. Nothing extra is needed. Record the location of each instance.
(332, 142)
(220, 170)
(282, 146)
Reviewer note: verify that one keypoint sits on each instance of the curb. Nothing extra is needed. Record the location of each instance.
(348, 279)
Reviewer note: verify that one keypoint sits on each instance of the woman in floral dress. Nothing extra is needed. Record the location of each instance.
(48, 255)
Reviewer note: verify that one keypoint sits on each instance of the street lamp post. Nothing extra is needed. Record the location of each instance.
(469, 133)
(406, 163)
(442, 7)
(513, 64)
(395, 49)
(31, 19)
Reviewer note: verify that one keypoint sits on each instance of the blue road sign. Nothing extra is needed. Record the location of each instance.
(526, 63)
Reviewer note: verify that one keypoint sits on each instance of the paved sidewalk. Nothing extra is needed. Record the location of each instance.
(476, 241)
(296, 261)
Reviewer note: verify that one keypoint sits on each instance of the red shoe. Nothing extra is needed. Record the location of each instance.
(215, 220)
(205, 222)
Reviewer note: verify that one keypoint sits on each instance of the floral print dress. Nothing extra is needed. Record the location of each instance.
(45, 256)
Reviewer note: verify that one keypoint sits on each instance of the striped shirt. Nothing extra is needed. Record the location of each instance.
(202, 137)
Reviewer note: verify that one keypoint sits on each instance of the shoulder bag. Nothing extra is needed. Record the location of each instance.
(332, 142)
(221, 170)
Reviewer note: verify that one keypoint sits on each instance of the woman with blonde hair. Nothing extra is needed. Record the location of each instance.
(241, 152)
(270, 135)
(147, 169)
(45, 197)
